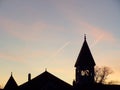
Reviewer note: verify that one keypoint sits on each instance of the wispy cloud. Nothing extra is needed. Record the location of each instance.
(33, 32)
(28, 32)
(69, 12)
(22, 31)
(24, 55)
(98, 33)
(11, 57)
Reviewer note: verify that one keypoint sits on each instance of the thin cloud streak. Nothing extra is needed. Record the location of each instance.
(70, 14)
(21, 31)
(11, 57)
(61, 48)
(24, 56)
(33, 32)
(98, 32)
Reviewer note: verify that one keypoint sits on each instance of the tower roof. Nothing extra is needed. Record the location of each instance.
(85, 58)
(11, 84)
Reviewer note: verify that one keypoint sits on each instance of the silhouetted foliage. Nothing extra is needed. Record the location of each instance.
(101, 74)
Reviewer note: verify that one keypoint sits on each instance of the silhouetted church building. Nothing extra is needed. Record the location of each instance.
(84, 77)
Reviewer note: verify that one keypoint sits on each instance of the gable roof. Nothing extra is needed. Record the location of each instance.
(11, 84)
(45, 81)
(85, 58)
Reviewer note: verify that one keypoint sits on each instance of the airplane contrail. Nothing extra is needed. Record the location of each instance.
(61, 48)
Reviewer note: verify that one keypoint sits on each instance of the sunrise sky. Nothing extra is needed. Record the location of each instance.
(39, 34)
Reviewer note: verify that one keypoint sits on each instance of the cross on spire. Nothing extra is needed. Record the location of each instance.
(84, 36)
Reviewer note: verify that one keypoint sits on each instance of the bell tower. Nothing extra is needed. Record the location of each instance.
(84, 73)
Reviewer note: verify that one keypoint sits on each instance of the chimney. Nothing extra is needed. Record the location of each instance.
(29, 76)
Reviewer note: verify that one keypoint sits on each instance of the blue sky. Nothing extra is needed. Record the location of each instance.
(39, 34)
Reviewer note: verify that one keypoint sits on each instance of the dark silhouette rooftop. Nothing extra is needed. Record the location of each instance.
(45, 81)
(11, 84)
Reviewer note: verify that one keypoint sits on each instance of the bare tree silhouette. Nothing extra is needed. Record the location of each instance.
(101, 74)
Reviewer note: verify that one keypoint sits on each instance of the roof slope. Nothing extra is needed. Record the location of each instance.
(45, 81)
(11, 84)
(85, 58)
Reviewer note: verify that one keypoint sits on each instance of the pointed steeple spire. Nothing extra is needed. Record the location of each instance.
(11, 84)
(85, 58)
